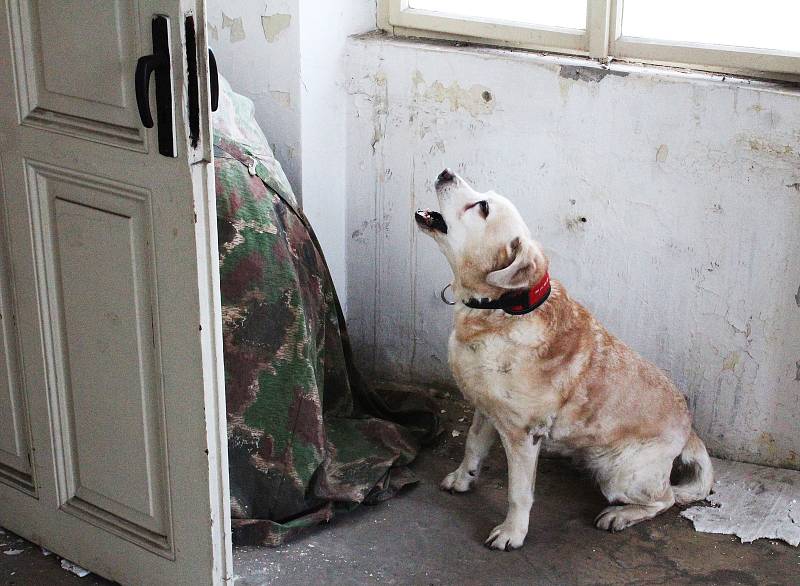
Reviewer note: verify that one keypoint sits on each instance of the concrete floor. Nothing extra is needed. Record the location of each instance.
(31, 567)
(426, 536)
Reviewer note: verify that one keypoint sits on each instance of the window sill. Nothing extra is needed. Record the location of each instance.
(583, 68)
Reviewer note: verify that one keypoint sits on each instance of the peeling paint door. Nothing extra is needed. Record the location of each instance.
(112, 436)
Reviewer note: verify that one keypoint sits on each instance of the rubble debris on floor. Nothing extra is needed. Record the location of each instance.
(37, 566)
(751, 502)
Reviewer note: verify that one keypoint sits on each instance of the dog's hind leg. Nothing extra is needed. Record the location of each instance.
(618, 517)
(638, 480)
(522, 453)
(480, 438)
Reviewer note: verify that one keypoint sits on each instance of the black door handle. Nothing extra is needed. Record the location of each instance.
(214, 80)
(145, 66)
(160, 63)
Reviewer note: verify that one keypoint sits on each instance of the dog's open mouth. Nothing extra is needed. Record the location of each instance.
(431, 220)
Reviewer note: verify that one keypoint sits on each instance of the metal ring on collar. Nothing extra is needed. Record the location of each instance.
(442, 295)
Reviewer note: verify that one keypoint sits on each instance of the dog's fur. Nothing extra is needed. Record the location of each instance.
(555, 373)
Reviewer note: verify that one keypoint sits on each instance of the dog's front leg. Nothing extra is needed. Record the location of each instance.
(522, 452)
(480, 438)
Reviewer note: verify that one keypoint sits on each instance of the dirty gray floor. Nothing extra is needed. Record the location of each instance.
(427, 536)
(23, 564)
(430, 537)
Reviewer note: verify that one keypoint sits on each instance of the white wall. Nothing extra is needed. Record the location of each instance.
(257, 46)
(690, 187)
(289, 58)
(325, 27)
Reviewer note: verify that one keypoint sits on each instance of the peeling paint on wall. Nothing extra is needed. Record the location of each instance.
(477, 99)
(380, 109)
(780, 151)
(282, 98)
(236, 27)
(274, 24)
(214, 31)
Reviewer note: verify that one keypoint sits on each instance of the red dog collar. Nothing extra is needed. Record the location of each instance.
(516, 302)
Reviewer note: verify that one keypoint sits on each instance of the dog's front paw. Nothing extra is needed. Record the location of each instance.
(506, 537)
(458, 480)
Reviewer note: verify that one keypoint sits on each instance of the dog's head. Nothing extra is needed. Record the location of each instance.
(484, 238)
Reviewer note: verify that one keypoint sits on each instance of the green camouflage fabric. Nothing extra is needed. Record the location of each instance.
(306, 436)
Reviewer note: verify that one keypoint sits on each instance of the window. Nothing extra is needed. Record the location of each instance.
(758, 38)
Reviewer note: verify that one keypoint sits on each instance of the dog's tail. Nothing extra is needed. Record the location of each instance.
(692, 473)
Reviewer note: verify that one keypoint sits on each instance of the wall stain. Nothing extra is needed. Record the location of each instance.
(371, 225)
(780, 151)
(564, 86)
(588, 74)
(797, 373)
(795, 186)
(797, 297)
(437, 146)
(380, 110)
(477, 99)
(282, 98)
(577, 224)
(236, 28)
(662, 153)
(214, 31)
(274, 25)
(731, 361)
(768, 444)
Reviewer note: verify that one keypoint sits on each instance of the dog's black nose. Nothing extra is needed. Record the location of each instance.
(445, 176)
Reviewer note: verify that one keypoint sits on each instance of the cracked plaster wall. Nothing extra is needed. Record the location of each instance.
(668, 202)
(257, 45)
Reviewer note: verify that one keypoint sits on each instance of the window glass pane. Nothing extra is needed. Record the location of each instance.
(555, 13)
(763, 24)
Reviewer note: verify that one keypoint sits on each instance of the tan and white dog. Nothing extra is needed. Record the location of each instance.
(536, 364)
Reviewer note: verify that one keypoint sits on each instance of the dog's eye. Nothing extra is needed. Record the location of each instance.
(484, 206)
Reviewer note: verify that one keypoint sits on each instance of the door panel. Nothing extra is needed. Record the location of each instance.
(15, 466)
(63, 47)
(117, 366)
(66, 84)
(96, 238)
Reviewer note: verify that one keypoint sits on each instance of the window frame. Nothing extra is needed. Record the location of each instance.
(602, 40)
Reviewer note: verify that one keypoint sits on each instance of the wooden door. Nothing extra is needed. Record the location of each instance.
(112, 420)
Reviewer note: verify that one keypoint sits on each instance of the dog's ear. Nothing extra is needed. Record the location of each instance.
(520, 272)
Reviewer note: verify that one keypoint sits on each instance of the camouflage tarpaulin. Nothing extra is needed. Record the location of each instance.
(306, 437)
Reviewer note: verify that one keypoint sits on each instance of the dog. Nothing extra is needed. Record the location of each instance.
(536, 365)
